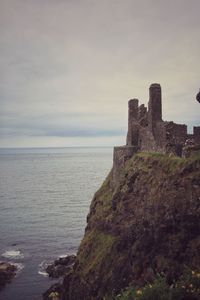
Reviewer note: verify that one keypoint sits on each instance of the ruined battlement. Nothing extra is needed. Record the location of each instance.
(147, 132)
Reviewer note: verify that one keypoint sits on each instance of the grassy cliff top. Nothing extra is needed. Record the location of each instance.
(148, 224)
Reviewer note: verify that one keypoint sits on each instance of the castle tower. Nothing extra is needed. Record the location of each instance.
(132, 109)
(154, 105)
(196, 131)
(132, 135)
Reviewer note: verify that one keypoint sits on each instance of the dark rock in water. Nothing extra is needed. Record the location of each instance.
(66, 261)
(7, 272)
(61, 266)
(198, 97)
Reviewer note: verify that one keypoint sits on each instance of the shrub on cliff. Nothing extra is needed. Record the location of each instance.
(187, 287)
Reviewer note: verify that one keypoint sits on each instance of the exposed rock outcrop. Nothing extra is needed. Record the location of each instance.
(146, 224)
(61, 266)
(198, 97)
(7, 272)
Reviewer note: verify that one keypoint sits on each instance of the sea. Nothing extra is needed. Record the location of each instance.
(45, 195)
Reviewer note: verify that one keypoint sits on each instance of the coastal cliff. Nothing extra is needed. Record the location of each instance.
(146, 223)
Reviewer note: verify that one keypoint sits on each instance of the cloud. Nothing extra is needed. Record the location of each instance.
(69, 67)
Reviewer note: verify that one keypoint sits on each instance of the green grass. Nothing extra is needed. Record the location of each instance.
(168, 163)
(94, 249)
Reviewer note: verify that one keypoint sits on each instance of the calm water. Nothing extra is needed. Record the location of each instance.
(44, 200)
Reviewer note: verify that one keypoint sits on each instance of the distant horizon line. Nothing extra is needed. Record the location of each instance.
(56, 147)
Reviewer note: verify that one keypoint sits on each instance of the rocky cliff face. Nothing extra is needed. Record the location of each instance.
(146, 223)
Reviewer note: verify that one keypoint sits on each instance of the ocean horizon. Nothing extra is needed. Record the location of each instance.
(45, 194)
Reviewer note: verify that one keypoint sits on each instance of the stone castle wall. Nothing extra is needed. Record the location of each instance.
(196, 135)
(147, 131)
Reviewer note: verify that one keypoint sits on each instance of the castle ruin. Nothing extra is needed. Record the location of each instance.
(147, 132)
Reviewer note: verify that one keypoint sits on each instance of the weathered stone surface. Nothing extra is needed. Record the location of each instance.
(154, 106)
(61, 266)
(7, 272)
(148, 132)
(196, 135)
(120, 156)
(132, 138)
(150, 224)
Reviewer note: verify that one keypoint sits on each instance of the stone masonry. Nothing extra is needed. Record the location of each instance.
(147, 132)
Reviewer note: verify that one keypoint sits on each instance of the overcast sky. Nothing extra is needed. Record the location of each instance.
(68, 67)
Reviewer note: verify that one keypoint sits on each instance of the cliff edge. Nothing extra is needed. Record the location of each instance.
(145, 219)
(147, 223)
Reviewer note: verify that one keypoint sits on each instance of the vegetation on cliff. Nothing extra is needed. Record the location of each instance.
(187, 287)
(146, 224)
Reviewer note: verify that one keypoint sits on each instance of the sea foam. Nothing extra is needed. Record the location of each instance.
(13, 254)
(42, 268)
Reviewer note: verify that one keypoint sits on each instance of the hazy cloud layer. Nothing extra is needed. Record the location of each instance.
(69, 67)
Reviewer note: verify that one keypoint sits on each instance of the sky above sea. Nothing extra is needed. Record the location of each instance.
(68, 68)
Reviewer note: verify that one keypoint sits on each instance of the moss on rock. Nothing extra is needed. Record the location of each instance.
(148, 223)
